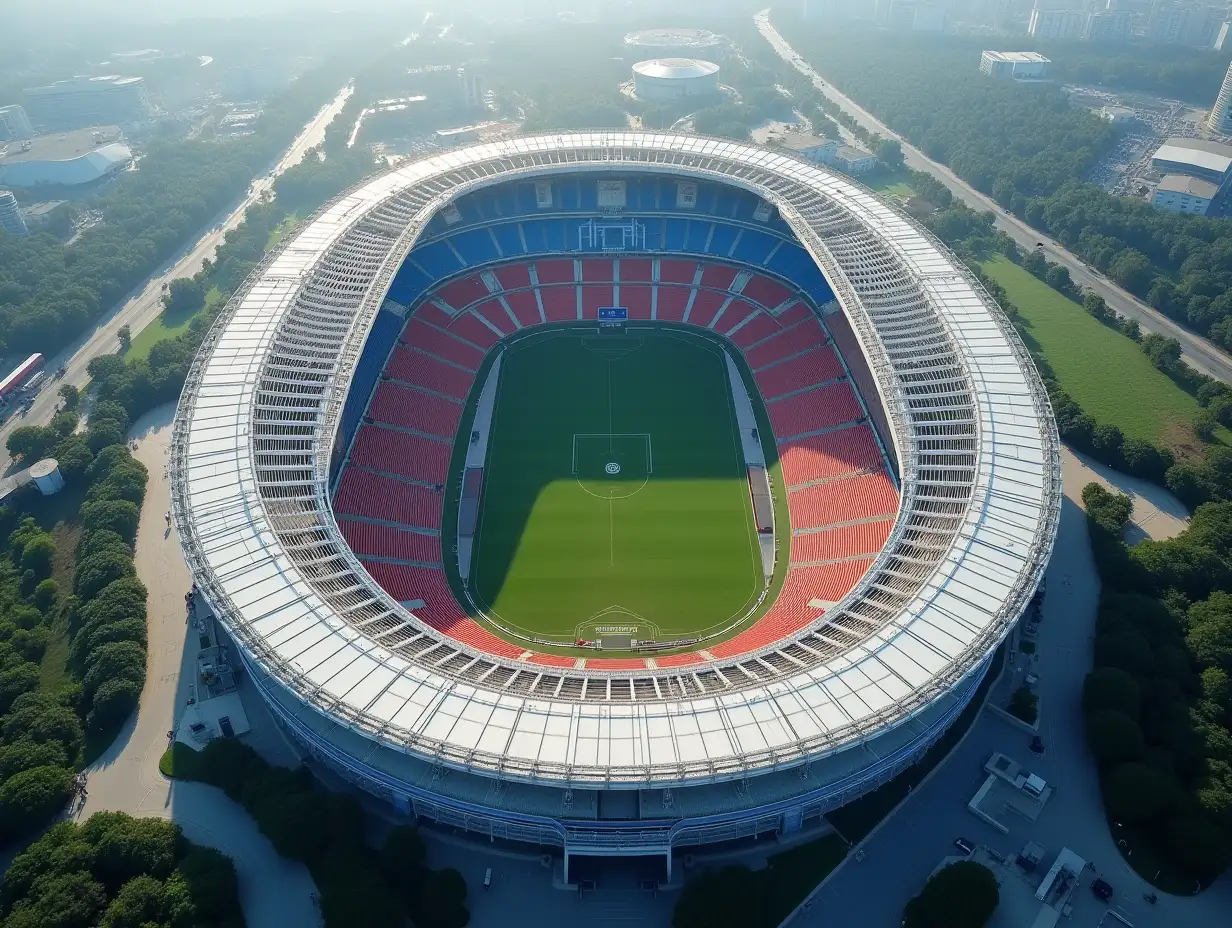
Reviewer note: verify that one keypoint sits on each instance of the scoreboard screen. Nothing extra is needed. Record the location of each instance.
(613, 318)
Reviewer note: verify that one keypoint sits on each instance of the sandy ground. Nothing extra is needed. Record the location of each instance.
(1157, 513)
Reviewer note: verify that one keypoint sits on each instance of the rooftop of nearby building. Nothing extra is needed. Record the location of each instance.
(59, 146)
(1193, 186)
(805, 142)
(1211, 156)
(1018, 57)
(851, 153)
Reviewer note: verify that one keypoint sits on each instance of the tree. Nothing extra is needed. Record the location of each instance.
(963, 894)
(1058, 278)
(138, 904)
(1137, 793)
(1113, 689)
(728, 898)
(119, 660)
(73, 454)
(184, 295)
(126, 338)
(71, 396)
(26, 755)
(29, 798)
(103, 432)
(45, 594)
(890, 153)
(1024, 705)
(38, 555)
(61, 900)
(99, 569)
(403, 852)
(1093, 303)
(113, 702)
(1115, 738)
(127, 847)
(204, 878)
(31, 442)
(1210, 631)
(442, 901)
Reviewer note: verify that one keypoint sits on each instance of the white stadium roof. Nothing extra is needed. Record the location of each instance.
(970, 422)
(675, 69)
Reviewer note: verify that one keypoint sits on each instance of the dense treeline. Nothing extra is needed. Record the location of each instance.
(44, 732)
(359, 885)
(51, 292)
(115, 871)
(1190, 74)
(1158, 704)
(1027, 147)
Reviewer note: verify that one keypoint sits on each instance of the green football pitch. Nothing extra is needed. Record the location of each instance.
(615, 496)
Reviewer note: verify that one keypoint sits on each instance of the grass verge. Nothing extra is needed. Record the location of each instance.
(167, 325)
(180, 762)
(1105, 372)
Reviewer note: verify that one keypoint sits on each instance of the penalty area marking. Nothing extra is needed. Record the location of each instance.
(600, 455)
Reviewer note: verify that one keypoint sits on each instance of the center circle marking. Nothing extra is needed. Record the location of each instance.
(612, 468)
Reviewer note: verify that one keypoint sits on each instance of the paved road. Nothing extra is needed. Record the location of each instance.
(899, 857)
(274, 892)
(143, 306)
(1199, 352)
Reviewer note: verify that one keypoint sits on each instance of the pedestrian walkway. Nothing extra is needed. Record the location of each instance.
(274, 892)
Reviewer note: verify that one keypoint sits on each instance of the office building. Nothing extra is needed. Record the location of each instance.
(1048, 23)
(1221, 113)
(1180, 194)
(1015, 65)
(10, 214)
(64, 159)
(1109, 26)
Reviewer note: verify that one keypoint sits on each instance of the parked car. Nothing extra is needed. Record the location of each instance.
(1101, 888)
(964, 845)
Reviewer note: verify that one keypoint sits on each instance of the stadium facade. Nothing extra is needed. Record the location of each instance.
(575, 754)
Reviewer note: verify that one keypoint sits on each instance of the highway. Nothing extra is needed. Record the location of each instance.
(1199, 352)
(144, 306)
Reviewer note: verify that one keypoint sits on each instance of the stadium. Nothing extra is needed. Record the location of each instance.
(615, 493)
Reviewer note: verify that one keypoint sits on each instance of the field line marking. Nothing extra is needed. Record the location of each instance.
(611, 534)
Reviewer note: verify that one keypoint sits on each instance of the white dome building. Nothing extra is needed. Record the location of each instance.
(663, 79)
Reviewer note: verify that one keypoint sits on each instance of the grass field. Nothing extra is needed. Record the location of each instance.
(666, 544)
(167, 325)
(1104, 371)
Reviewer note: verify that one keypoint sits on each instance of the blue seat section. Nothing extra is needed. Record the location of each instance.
(794, 263)
(641, 193)
(437, 258)
(385, 329)
(699, 233)
(409, 284)
(655, 238)
(726, 200)
(706, 194)
(532, 231)
(566, 194)
(507, 237)
(506, 201)
(722, 239)
(554, 235)
(589, 188)
(676, 230)
(754, 247)
(526, 198)
(475, 245)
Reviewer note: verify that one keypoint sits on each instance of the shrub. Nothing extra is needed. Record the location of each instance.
(29, 798)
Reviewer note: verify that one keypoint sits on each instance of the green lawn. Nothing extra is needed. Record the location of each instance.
(666, 545)
(167, 325)
(1104, 371)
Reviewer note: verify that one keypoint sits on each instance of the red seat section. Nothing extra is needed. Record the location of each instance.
(767, 292)
(848, 499)
(635, 270)
(830, 454)
(816, 409)
(559, 303)
(616, 663)
(841, 542)
(372, 540)
(525, 307)
(678, 272)
(513, 276)
(461, 293)
(428, 338)
(812, 367)
(594, 296)
(679, 660)
(401, 453)
(554, 272)
(374, 496)
(759, 327)
(794, 313)
(705, 307)
(800, 337)
(429, 311)
(718, 276)
(672, 303)
(552, 660)
(407, 584)
(737, 311)
(414, 409)
(597, 271)
(424, 370)
(495, 313)
(637, 298)
(469, 327)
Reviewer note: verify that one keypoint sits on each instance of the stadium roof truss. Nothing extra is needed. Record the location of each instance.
(971, 424)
